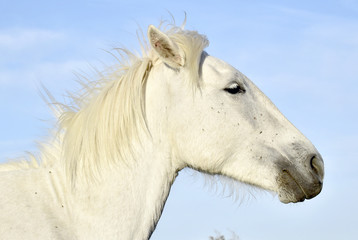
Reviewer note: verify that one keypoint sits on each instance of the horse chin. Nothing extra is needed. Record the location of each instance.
(290, 190)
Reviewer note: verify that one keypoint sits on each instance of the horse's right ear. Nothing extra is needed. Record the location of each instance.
(166, 48)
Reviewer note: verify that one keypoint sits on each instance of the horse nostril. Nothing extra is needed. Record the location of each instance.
(317, 166)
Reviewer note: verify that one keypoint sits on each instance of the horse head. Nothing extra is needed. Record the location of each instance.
(217, 121)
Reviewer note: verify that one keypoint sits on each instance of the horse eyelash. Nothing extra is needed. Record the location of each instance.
(235, 89)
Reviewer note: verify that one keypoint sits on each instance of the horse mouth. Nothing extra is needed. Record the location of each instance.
(294, 189)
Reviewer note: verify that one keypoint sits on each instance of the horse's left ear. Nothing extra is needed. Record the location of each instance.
(166, 48)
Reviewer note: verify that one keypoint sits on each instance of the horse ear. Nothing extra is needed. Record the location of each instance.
(166, 48)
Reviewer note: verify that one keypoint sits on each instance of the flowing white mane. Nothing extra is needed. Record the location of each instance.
(104, 126)
(107, 119)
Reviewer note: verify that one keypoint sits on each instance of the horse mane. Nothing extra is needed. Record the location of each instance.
(105, 124)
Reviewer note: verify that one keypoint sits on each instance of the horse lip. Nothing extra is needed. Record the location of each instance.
(290, 189)
(294, 187)
(297, 183)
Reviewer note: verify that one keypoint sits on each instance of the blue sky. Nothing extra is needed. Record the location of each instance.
(302, 54)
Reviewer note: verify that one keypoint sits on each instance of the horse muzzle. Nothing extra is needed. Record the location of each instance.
(296, 186)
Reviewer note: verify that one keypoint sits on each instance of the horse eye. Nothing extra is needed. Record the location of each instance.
(235, 89)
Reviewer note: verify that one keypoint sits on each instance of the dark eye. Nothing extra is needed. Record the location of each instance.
(235, 88)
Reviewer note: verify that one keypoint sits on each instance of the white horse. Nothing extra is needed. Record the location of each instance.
(109, 167)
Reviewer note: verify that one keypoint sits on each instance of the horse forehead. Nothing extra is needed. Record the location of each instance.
(216, 68)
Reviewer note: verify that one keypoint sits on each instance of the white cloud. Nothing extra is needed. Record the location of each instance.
(16, 39)
(41, 55)
(46, 72)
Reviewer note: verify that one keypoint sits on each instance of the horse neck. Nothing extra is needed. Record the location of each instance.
(128, 203)
(128, 200)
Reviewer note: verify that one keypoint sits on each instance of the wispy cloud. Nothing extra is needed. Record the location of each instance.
(17, 39)
(42, 55)
(59, 73)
